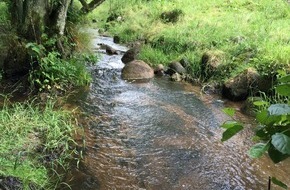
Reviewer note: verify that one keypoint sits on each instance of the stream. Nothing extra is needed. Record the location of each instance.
(163, 135)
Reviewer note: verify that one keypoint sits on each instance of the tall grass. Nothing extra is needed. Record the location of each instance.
(251, 33)
(33, 138)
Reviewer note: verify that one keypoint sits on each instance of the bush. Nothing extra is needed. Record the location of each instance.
(273, 131)
(52, 72)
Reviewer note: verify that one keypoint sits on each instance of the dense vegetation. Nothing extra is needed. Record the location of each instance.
(272, 135)
(37, 136)
(35, 142)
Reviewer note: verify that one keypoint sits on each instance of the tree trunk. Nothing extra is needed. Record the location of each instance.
(32, 19)
(29, 17)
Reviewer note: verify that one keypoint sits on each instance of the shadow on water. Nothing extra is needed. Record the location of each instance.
(162, 135)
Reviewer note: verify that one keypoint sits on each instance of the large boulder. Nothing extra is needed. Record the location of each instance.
(175, 67)
(130, 55)
(210, 62)
(239, 87)
(137, 70)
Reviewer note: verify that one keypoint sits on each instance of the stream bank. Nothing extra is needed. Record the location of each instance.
(162, 135)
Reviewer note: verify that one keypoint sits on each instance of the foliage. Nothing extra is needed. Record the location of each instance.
(33, 138)
(51, 71)
(273, 130)
(4, 25)
(3, 13)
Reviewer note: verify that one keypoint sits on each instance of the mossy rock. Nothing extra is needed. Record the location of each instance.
(171, 16)
(239, 87)
(210, 63)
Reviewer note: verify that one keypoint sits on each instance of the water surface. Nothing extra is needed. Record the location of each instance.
(163, 135)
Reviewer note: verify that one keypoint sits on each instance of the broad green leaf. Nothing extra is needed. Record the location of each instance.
(36, 49)
(266, 119)
(231, 132)
(283, 89)
(261, 103)
(281, 142)
(258, 150)
(279, 183)
(279, 109)
(261, 132)
(262, 116)
(285, 79)
(229, 124)
(29, 45)
(229, 111)
(275, 155)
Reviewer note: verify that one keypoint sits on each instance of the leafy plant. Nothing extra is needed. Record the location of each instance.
(273, 131)
(52, 72)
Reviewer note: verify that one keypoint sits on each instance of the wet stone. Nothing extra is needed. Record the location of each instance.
(10, 183)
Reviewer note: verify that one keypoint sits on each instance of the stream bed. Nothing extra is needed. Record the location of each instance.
(163, 135)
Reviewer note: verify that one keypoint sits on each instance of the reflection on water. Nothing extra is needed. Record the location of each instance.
(163, 135)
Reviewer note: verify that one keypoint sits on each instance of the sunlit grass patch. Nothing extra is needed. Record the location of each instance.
(246, 30)
(34, 140)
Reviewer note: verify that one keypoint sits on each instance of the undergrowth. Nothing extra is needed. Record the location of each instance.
(35, 141)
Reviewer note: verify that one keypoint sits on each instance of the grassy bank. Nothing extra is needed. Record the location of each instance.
(35, 141)
(247, 33)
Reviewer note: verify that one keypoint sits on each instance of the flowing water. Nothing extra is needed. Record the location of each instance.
(163, 135)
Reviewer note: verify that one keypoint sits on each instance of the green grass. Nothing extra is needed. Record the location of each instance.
(262, 27)
(4, 25)
(34, 141)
